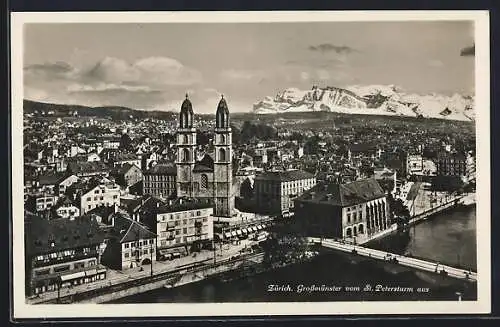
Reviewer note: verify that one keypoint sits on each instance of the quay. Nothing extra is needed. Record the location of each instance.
(419, 264)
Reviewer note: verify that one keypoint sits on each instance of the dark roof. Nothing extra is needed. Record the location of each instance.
(50, 179)
(87, 167)
(127, 230)
(162, 169)
(362, 147)
(155, 205)
(102, 211)
(284, 176)
(199, 168)
(344, 195)
(46, 236)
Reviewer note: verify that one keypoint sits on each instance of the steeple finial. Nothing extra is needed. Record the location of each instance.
(187, 96)
(222, 96)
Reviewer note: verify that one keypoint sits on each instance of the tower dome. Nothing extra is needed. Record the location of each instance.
(186, 114)
(222, 114)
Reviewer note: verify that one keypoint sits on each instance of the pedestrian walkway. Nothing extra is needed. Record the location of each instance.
(114, 277)
(419, 264)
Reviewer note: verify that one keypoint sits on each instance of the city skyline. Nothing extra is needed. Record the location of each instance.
(151, 66)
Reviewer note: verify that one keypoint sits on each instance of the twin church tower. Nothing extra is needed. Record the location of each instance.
(211, 177)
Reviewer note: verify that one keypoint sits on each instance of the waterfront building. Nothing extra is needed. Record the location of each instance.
(275, 190)
(160, 181)
(353, 211)
(129, 244)
(60, 253)
(210, 178)
(182, 226)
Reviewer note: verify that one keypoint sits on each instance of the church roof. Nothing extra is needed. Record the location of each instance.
(200, 168)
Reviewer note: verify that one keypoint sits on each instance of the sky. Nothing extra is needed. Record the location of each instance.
(152, 66)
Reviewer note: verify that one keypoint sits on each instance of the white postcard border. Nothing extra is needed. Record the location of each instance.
(482, 88)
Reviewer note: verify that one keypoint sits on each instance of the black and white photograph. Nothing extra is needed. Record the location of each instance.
(246, 163)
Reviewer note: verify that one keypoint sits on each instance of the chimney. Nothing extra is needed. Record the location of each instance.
(157, 204)
(329, 196)
(116, 208)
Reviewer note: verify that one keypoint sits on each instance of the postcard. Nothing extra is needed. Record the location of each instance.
(182, 164)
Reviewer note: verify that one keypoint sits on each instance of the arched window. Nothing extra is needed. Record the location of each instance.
(204, 181)
(222, 155)
(355, 231)
(185, 139)
(222, 139)
(361, 229)
(348, 232)
(185, 155)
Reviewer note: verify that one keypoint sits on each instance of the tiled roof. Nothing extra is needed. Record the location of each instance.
(343, 195)
(284, 176)
(50, 179)
(45, 236)
(121, 170)
(362, 147)
(128, 230)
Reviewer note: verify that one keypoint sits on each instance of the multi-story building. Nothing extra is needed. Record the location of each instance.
(181, 226)
(275, 190)
(127, 175)
(88, 168)
(414, 164)
(99, 192)
(353, 211)
(129, 244)
(160, 181)
(60, 253)
(451, 164)
(39, 202)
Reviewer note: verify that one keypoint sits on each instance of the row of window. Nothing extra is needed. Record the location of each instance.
(160, 178)
(184, 230)
(138, 243)
(179, 240)
(63, 268)
(139, 252)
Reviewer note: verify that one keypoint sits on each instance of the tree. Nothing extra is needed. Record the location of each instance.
(284, 244)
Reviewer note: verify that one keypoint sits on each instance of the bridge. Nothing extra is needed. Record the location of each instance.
(415, 263)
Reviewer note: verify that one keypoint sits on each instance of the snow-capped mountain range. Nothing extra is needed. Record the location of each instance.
(369, 100)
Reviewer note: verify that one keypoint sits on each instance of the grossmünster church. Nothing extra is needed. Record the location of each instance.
(210, 178)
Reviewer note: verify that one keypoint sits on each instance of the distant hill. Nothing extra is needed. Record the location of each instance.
(119, 113)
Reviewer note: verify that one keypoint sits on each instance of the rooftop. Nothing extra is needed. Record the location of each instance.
(46, 236)
(284, 176)
(343, 195)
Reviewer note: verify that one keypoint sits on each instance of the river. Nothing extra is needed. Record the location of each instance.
(447, 237)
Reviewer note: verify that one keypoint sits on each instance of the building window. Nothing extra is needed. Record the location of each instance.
(222, 155)
(126, 255)
(348, 218)
(61, 268)
(185, 155)
(127, 245)
(204, 181)
(79, 265)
